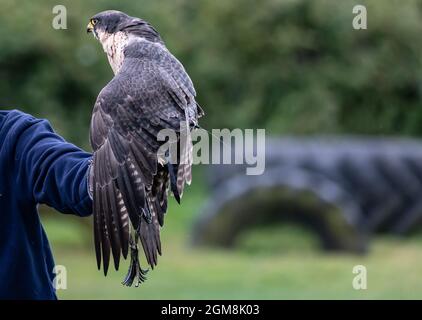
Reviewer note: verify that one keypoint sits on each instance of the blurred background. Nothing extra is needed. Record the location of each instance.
(342, 109)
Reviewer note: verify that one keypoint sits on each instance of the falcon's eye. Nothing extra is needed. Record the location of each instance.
(94, 21)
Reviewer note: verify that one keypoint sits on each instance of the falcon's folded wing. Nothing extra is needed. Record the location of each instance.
(130, 185)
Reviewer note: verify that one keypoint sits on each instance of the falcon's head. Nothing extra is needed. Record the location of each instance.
(116, 30)
(112, 22)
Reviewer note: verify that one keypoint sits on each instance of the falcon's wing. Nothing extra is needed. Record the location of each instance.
(129, 183)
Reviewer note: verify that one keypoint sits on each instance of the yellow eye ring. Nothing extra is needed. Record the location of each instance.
(94, 22)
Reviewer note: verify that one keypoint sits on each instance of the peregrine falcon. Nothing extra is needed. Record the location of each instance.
(150, 91)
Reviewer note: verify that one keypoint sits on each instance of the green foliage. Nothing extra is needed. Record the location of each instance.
(293, 66)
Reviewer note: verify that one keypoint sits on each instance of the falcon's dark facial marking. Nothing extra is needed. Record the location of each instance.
(112, 21)
(107, 21)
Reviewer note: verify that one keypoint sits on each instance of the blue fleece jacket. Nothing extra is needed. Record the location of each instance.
(36, 166)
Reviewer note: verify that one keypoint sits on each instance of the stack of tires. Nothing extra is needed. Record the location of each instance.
(345, 189)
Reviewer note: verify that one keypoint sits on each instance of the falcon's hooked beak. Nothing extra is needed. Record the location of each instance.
(89, 27)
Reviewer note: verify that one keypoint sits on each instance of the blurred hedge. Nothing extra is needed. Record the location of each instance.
(291, 66)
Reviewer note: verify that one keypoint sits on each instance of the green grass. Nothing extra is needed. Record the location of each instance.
(279, 262)
(394, 271)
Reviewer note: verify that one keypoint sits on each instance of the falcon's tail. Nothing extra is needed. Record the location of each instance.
(184, 170)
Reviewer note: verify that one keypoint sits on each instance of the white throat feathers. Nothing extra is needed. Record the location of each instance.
(114, 45)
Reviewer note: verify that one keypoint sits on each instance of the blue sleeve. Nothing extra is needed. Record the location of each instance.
(52, 171)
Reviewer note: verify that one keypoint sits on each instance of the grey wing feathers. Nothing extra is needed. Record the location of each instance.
(130, 186)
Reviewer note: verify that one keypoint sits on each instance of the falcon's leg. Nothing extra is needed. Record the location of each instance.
(135, 271)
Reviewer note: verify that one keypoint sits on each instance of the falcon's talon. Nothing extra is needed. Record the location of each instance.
(148, 218)
(146, 213)
(135, 271)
